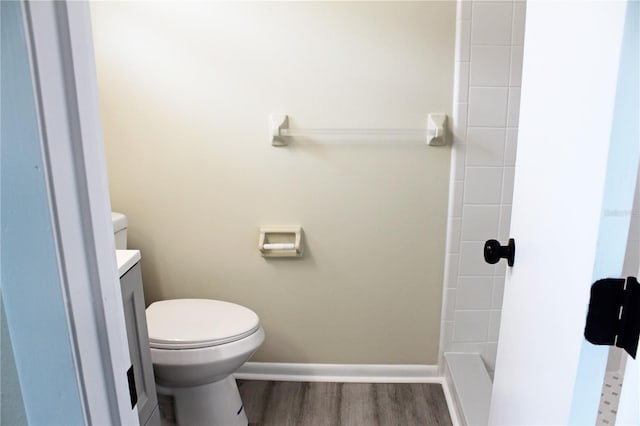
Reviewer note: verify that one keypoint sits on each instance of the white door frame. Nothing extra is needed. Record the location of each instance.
(66, 95)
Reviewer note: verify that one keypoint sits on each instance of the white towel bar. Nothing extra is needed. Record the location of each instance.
(433, 134)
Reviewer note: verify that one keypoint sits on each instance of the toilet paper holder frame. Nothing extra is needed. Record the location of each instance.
(281, 241)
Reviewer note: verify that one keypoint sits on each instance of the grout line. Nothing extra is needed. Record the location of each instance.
(513, 20)
(484, 204)
(494, 127)
(491, 44)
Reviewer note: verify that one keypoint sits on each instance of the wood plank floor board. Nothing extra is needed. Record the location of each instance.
(270, 403)
(436, 404)
(255, 397)
(392, 404)
(286, 397)
(358, 406)
(321, 404)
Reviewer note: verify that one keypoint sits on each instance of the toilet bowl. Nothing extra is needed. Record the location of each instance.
(196, 346)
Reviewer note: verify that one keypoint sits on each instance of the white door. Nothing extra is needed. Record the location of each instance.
(578, 153)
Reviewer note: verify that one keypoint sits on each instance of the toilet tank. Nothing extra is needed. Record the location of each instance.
(119, 230)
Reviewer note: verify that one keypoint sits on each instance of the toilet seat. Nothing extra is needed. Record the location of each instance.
(198, 323)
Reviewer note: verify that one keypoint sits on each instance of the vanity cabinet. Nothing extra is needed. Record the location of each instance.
(134, 312)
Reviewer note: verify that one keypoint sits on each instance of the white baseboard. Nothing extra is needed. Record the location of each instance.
(353, 373)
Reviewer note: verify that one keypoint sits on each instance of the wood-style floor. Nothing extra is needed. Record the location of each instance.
(348, 404)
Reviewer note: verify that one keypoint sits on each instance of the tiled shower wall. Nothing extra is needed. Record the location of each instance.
(489, 44)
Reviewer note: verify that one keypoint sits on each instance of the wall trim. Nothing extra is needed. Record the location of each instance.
(351, 373)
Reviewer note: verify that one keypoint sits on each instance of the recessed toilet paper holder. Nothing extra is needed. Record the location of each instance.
(281, 241)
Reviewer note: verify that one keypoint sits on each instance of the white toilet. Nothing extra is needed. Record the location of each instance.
(196, 346)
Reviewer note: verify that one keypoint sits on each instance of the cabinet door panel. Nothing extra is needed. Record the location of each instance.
(134, 311)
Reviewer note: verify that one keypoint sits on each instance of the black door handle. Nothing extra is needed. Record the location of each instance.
(493, 251)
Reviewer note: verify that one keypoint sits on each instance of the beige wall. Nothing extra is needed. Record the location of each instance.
(186, 91)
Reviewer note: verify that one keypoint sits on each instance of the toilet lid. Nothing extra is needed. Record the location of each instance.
(198, 323)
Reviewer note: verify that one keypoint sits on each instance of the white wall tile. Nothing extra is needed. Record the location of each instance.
(474, 293)
(471, 326)
(511, 146)
(498, 292)
(447, 335)
(463, 40)
(490, 37)
(456, 83)
(464, 9)
(491, 22)
(488, 106)
(515, 72)
(461, 86)
(453, 234)
(460, 123)
(467, 347)
(456, 198)
(480, 222)
(450, 304)
(494, 325)
(483, 185)
(490, 65)
(485, 146)
(458, 154)
(507, 185)
(505, 222)
(472, 259)
(489, 356)
(451, 271)
(519, 11)
(513, 114)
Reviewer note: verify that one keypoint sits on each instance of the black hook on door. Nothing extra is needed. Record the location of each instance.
(493, 251)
